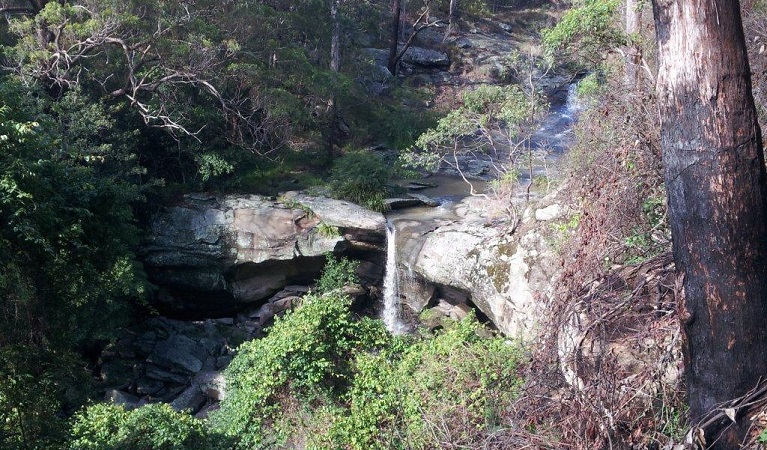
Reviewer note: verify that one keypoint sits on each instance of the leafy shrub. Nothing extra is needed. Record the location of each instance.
(305, 358)
(32, 393)
(419, 395)
(360, 177)
(586, 31)
(327, 230)
(589, 88)
(151, 427)
(337, 274)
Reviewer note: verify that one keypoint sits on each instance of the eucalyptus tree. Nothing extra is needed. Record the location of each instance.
(717, 200)
(155, 55)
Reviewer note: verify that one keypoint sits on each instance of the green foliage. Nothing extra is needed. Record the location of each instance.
(487, 112)
(307, 355)
(419, 395)
(323, 378)
(150, 427)
(360, 177)
(762, 438)
(587, 31)
(674, 420)
(68, 226)
(640, 244)
(327, 230)
(338, 272)
(212, 165)
(34, 389)
(68, 273)
(589, 88)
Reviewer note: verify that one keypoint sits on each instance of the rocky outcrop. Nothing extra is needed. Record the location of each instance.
(181, 362)
(420, 57)
(426, 58)
(507, 275)
(212, 256)
(171, 361)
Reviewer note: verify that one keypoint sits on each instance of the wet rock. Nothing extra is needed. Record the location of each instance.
(399, 203)
(425, 200)
(506, 275)
(417, 186)
(417, 293)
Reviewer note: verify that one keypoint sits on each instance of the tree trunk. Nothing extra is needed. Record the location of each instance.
(335, 66)
(453, 15)
(633, 54)
(716, 186)
(396, 10)
(335, 40)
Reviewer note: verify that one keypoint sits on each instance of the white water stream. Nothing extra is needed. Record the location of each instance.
(391, 284)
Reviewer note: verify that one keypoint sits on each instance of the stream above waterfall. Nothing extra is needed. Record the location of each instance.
(467, 204)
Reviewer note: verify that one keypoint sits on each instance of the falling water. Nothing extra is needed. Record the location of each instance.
(391, 283)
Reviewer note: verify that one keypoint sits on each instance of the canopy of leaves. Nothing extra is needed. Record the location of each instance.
(151, 427)
(587, 31)
(492, 118)
(68, 271)
(306, 355)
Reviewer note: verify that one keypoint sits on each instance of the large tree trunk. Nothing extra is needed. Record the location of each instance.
(716, 185)
(396, 10)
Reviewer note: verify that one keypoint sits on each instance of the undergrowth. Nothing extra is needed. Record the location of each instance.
(611, 347)
(360, 177)
(324, 379)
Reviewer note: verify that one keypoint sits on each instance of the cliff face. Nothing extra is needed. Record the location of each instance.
(507, 274)
(212, 256)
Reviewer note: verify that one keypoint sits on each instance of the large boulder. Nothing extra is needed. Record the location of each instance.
(426, 58)
(506, 274)
(213, 256)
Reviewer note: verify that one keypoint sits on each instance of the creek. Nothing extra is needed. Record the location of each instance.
(463, 200)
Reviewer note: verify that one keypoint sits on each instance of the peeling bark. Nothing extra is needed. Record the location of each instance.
(716, 186)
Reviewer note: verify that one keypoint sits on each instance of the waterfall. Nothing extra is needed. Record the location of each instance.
(391, 284)
(573, 104)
